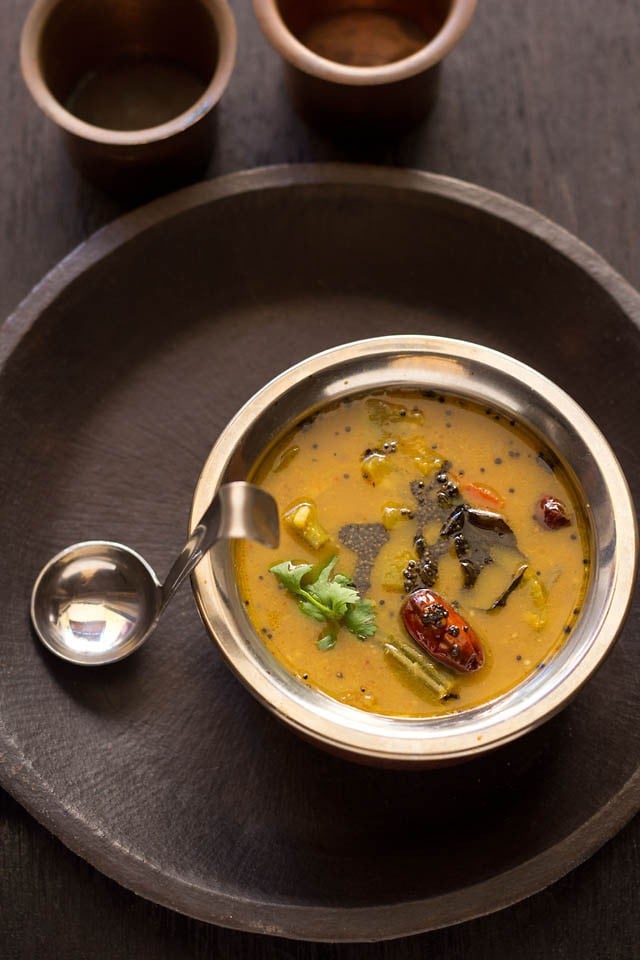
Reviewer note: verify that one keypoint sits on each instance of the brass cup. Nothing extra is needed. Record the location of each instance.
(377, 95)
(131, 84)
(326, 78)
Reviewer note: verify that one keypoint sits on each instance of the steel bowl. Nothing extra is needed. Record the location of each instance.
(477, 373)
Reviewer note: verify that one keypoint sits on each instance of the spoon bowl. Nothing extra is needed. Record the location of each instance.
(96, 602)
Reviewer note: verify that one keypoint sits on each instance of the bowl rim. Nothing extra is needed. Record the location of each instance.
(350, 731)
(30, 65)
(298, 55)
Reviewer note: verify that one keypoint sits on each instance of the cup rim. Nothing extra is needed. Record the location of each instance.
(32, 30)
(410, 741)
(300, 56)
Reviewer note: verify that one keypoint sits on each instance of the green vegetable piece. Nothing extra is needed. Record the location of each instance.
(284, 459)
(419, 666)
(302, 519)
(536, 618)
(382, 412)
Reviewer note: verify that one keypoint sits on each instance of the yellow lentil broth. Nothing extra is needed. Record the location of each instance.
(321, 461)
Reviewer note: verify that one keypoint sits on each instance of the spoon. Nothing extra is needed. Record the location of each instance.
(96, 602)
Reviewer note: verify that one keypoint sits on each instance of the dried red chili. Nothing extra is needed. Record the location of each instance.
(441, 631)
(552, 513)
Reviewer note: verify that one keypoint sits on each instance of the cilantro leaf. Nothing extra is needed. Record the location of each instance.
(360, 619)
(331, 600)
(290, 574)
(327, 641)
(345, 581)
(311, 609)
(333, 594)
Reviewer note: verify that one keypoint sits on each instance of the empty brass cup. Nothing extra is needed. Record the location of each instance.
(131, 84)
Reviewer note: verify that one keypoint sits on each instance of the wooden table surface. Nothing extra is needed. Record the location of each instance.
(540, 102)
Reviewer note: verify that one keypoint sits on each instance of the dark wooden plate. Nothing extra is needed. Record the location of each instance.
(117, 374)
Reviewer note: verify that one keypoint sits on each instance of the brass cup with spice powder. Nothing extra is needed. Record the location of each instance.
(364, 65)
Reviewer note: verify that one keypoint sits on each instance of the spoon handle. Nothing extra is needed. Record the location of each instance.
(238, 511)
